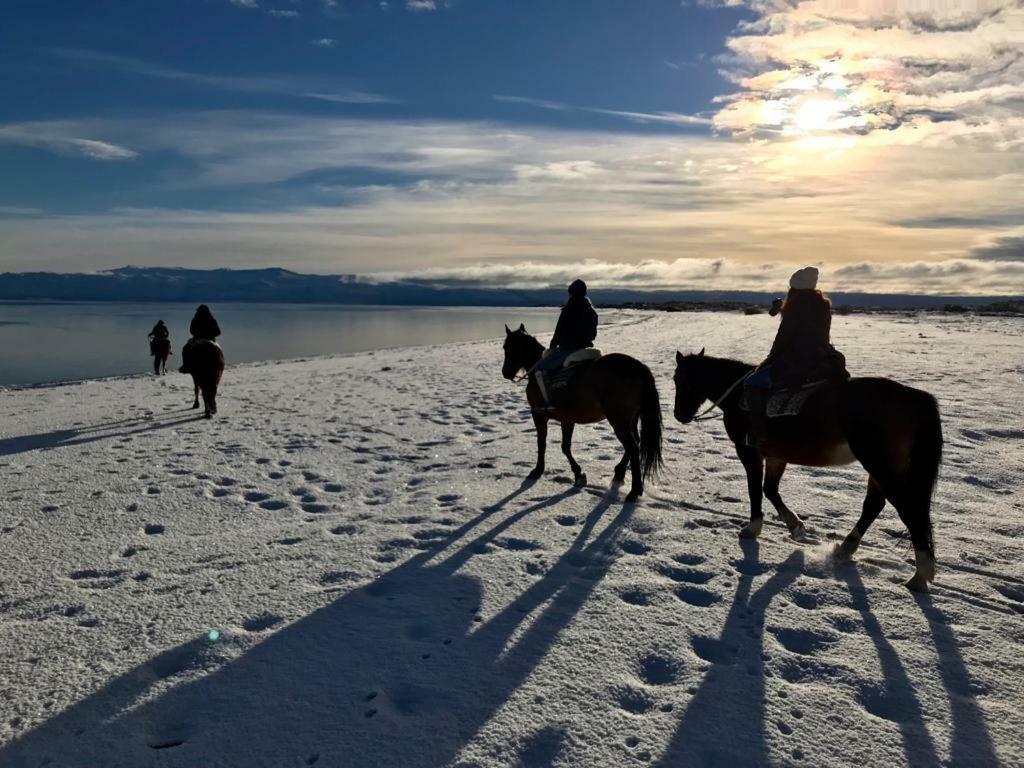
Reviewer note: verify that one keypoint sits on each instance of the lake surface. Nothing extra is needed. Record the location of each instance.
(68, 341)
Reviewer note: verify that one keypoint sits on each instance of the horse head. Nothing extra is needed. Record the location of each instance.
(690, 390)
(521, 351)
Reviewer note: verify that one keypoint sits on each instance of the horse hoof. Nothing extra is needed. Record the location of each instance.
(580, 481)
(848, 548)
(798, 533)
(207, 415)
(619, 478)
(917, 583)
(536, 473)
(632, 496)
(194, 406)
(751, 530)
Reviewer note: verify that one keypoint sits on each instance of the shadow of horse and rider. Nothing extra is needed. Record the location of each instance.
(406, 670)
(401, 671)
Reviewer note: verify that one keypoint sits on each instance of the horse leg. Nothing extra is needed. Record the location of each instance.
(914, 515)
(773, 469)
(579, 479)
(627, 436)
(541, 424)
(874, 502)
(620, 469)
(195, 403)
(754, 465)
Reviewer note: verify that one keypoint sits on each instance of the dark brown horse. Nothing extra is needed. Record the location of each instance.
(615, 387)
(205, 361)
(894, 431)
(160, 349)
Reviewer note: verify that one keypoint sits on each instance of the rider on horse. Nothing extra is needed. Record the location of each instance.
(576, 330)
(159, 333)
(203, 326)
(802, 352)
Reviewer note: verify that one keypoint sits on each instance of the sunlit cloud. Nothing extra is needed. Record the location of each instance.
(896, 72)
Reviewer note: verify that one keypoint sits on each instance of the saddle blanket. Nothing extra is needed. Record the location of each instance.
(788, 402)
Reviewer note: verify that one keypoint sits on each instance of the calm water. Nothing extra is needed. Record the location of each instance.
(59, 342)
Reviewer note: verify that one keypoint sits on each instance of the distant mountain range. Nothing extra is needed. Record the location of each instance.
(146, 284)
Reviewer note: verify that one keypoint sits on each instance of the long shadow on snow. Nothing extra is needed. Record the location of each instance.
(63, 438)
(724, 721)
(398, 672)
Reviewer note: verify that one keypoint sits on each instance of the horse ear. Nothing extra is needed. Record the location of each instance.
(522, 328)
(507, 331)
(701, 353)
(679, 358)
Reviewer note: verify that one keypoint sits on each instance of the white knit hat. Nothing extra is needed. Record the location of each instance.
(804, 279)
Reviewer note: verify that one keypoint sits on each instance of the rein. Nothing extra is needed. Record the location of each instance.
(703, 415)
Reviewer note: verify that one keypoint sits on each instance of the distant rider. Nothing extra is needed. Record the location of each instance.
(203, 327)
(159, 333)
(802, 351)
(576, 330)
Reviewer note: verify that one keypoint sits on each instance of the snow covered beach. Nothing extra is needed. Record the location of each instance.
(344, 569)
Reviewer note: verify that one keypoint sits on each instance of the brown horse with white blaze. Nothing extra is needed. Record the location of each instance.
(894, 431)
(615, 387)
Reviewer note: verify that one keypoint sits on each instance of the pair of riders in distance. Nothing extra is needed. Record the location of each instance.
(203, 326)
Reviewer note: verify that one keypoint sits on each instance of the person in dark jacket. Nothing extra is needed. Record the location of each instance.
(159, 333)
(203, 326)
(802, 352)
(576, 329)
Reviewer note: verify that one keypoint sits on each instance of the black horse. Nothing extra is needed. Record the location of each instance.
(614, 387)
(894, 431)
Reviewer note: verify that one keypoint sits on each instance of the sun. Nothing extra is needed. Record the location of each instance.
(816, 115)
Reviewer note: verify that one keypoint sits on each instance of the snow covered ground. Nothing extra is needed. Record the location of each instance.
(344, 569)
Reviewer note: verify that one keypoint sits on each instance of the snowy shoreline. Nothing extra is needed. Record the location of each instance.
(385, 590)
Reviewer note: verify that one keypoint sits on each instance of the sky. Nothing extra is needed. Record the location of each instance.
(640, 143)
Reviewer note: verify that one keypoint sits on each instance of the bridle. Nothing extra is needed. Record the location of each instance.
(704, 415)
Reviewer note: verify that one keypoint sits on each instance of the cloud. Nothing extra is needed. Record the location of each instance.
(893, 72)
(339, 195)
(1003, 247)
(323, 42)
(670, 118)
(245, 3)
(51, 136)
(283, 14)
(421, 5)
(306, 88)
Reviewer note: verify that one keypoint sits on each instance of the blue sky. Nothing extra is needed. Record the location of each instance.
(657, 143)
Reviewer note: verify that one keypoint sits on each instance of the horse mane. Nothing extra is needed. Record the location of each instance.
(721, 372)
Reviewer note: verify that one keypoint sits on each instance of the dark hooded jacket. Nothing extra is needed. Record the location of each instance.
(159, 332)
(203, 325)
(802, 350)
(577, 325)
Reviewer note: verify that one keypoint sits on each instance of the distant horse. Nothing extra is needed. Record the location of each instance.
(894, 431)
(614, 387)
(160, 349)
(206, 364)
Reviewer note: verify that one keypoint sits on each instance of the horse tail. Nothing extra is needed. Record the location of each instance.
(650, 425)
(925, 460)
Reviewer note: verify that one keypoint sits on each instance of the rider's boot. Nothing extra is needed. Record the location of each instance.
(547, 407)
(757, 428)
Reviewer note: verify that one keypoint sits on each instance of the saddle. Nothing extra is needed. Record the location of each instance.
(789, 401)
(581, 356)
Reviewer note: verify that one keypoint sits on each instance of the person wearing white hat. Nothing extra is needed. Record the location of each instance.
(802, 351)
